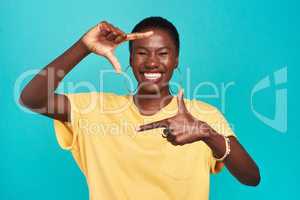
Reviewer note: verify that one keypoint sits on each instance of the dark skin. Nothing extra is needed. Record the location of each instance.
(153, 51)
(155, 54)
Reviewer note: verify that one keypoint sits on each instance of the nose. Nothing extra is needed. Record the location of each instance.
(151, 62)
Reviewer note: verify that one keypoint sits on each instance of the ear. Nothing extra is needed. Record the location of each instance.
(130, 59)
(176, 62)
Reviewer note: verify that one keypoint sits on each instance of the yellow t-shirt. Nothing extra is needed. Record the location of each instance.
(120, 163)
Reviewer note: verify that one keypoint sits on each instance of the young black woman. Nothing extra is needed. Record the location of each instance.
(149, 145)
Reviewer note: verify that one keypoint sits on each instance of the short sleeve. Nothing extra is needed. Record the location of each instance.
(221, 126)
(215, 119)
(82, 104)
(66, 132)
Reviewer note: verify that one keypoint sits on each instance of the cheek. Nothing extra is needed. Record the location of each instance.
(169, 60)
(137, 60)
(170, 65)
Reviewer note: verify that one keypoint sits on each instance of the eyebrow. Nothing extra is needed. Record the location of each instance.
(160, 48)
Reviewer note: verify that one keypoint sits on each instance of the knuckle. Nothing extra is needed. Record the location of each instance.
(108, 26)
(168, 122)
(172, 127)
(170, 139)
(173, 143)
(177, 140)
(120, 36)
(172, 135)
(113, 33)
(103, 22)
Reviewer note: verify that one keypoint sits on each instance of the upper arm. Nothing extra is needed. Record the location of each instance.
(57, 107)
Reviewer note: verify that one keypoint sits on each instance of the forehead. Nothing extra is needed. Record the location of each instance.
(159, 39)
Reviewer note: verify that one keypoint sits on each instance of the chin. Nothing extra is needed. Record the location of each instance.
(150, 88)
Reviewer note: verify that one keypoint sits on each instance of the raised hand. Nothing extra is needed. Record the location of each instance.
(103, 39)
(182, 128)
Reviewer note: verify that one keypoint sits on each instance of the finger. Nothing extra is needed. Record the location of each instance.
(175, 126)
(137, 36)
(186, 139)
(120, 32)
(158, 124)
(121, 36)
(104, 30)
(119, 39)
(107, 26)
(114, 61)
(171, 138)
(180, 102)
(111, 36)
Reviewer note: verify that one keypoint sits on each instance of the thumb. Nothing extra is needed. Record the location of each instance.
(180, 102)
(114, 61)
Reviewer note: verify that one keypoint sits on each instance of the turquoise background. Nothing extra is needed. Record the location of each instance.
(221, 41)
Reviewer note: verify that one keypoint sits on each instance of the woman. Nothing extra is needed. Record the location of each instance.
(116, 140)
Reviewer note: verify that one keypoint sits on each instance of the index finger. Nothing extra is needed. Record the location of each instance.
(136, 36)
(158, 124)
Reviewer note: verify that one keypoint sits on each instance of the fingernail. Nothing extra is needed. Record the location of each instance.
(149, 33)
(137, 128)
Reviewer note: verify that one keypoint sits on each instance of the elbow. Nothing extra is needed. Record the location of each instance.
(25, 101)
(29, 102)
(252, 179)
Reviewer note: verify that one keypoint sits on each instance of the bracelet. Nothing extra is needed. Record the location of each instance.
(227, 151)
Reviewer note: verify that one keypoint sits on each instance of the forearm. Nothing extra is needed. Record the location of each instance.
(43, 85)
(238, 162)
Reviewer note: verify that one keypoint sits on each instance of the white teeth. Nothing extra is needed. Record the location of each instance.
(152, 76)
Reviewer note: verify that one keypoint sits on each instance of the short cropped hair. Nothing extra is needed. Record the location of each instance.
(158, 23)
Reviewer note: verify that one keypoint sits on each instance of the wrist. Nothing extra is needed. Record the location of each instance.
(210, 136)
(219, 144)
(207, 133)
(83, 46)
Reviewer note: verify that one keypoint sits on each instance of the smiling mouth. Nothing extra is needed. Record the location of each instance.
(153, 76)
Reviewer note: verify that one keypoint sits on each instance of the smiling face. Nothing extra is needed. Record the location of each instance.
(153, 60)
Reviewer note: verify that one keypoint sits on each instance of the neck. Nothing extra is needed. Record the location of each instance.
(150, 103)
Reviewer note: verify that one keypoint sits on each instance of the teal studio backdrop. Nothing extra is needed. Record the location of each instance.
(249, 47)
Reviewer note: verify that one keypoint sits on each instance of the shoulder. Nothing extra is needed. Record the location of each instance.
(90, 96)
(201, 108)
(211, 115)
(89, 101)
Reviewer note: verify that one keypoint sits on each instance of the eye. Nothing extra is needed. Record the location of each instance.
(141, 53)
(163, 53)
